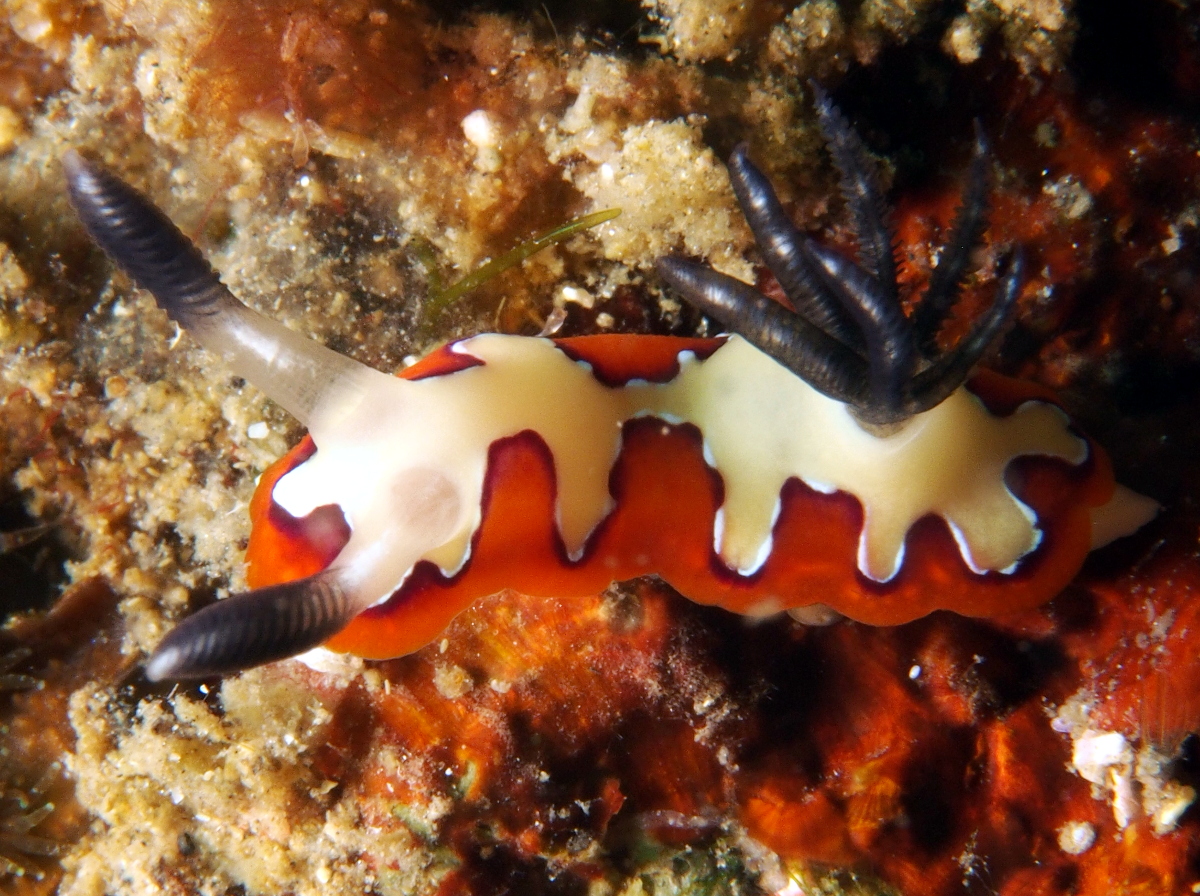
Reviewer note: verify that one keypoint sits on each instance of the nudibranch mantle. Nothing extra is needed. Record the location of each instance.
(760, 426)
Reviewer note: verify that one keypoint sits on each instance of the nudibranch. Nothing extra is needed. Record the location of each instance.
(828, 459)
